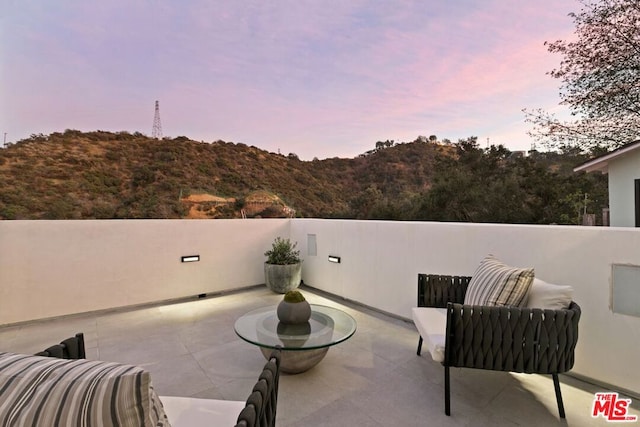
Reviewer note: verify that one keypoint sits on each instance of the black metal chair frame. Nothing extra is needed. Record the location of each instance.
(511, 339)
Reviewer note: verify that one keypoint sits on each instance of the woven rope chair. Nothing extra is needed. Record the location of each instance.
(512, 339)
(260, 409)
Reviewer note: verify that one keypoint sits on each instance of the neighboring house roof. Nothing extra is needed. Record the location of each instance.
(601, 163)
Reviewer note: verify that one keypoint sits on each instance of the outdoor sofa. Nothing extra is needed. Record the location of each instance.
(58, 386)
(512, 322)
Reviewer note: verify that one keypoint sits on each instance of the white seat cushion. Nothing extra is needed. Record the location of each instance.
(194, 412)
(432, 325)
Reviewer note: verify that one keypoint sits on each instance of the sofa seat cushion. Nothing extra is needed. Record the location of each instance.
(497, 284)
(37, 390)
(432, 325)
(194, 412)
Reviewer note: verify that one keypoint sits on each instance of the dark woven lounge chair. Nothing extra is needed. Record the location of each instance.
(512, 339)
(260, 410)
(260, 407)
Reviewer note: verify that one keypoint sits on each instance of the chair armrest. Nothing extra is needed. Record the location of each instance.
(71, 348)
(74, 347)
(436, 290)
(514, 339)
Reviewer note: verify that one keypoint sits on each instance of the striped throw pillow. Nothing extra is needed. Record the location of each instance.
(42, 391)
(497, 284)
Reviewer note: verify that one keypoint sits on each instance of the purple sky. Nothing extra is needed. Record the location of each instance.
(315, 78)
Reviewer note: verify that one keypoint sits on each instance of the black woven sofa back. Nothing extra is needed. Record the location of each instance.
(436, 290)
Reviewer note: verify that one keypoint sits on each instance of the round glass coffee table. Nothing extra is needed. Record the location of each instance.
(303, 345)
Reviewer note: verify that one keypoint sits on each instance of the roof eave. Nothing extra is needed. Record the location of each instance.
(602, 163)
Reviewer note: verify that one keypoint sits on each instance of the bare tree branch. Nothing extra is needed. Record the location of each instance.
(599, 79)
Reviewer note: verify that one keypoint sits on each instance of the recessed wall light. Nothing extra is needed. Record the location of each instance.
(190, 258)
(334, 258)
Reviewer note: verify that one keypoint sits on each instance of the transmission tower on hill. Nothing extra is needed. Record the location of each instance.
(157, 127)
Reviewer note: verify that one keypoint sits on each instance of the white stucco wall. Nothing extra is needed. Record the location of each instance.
(53, 268)
(623, 171)
(380, 262)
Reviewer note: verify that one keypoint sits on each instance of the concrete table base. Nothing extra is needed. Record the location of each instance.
(297, 361)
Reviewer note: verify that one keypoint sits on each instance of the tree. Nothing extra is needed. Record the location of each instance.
(600, 79)
(363, 204)
(492, 185)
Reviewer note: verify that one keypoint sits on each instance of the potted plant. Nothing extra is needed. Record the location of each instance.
(294, 308)
(283, 267)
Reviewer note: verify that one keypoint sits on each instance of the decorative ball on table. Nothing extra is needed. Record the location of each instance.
(293, 308)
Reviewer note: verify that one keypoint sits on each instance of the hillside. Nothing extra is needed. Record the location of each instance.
(121, 175)
(104, 175)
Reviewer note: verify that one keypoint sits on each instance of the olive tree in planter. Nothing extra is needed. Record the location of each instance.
(283, 267)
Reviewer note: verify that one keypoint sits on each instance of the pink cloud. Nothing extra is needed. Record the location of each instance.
(316, 78)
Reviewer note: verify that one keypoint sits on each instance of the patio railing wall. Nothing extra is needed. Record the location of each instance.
(56, 268)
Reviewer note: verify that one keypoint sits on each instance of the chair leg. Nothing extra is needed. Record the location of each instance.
(556, 385)
(447, 392)
(419, 346)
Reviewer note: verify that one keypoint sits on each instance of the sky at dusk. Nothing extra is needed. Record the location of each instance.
(315, 78)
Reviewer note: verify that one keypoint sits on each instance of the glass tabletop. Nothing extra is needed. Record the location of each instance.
(328, 326)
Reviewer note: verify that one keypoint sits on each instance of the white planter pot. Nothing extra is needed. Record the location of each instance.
(282, 278)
